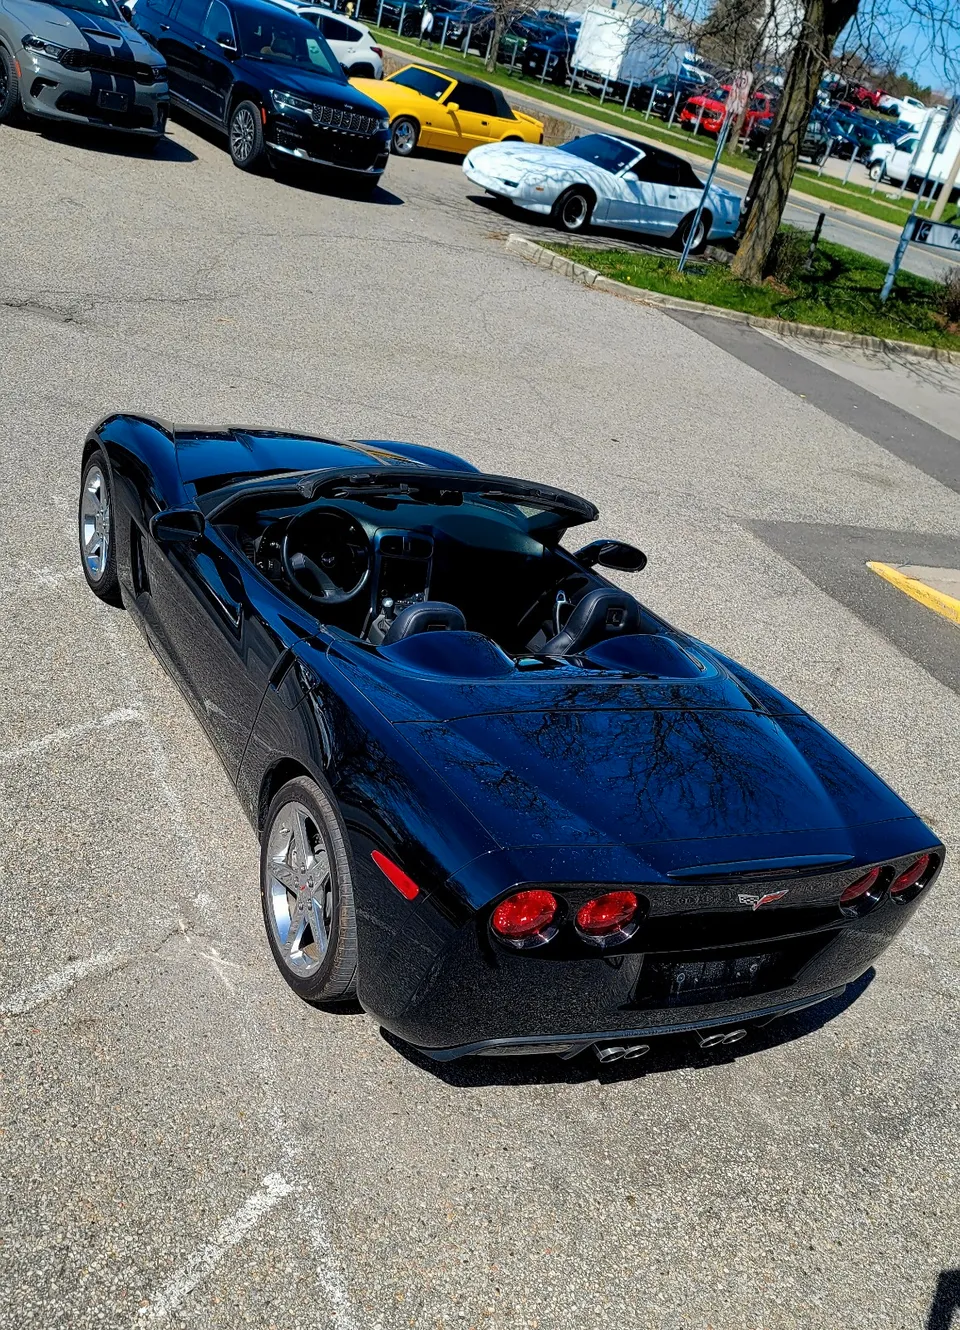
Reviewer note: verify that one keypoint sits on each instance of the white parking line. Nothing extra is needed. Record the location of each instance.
(55, 984)
(329, 1276)
(41, 745)
(230, 1232)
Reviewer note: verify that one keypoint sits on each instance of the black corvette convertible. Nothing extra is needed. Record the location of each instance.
(499, 800)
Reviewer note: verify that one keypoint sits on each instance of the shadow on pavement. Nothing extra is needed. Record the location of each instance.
(114, 142)
(298, 175)
(672, 1053)
(946, 1301)
(597, 237)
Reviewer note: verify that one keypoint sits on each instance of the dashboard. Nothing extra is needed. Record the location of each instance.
(328, 558)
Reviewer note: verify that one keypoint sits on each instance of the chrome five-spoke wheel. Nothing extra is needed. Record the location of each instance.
(306, 888)
(299, 889)
(96, 524)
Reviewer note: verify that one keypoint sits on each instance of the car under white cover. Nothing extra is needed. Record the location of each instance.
(606, 181)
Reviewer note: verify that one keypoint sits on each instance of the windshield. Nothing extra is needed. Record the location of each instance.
(611, 154)
(285, 40)
(422, 81)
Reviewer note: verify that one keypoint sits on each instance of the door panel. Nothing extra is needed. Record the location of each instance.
(224, 631)
(215, 72)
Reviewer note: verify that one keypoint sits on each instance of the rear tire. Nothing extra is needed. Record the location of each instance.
(97, 530)
(9, 87)
(404, 133)
(572, 210)
(247, 147)
(700, 239)
(364, 71)
(306, 890)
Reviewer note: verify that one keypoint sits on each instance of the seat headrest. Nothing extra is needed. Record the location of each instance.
(427, 616)
(602, 613)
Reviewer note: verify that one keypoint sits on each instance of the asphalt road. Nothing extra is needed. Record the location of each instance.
(186, 1144)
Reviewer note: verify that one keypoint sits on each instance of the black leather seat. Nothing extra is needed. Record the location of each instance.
(427, 616)
(601, 614)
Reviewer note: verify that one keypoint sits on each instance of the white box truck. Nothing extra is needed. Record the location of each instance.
(912, 155)
(615, 49)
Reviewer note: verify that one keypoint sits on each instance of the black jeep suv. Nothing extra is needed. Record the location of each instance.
(266, 78)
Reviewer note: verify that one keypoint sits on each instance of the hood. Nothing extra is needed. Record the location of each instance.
(312, 83)
(527, 157)
(669, 777)
(82, 31)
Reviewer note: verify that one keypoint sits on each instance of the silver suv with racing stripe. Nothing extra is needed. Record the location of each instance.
(80, 62)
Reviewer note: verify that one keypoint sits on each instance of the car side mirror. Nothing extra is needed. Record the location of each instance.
(453, 106)
(612, 554)
(226, 42)
(177, 526)
(127, 13)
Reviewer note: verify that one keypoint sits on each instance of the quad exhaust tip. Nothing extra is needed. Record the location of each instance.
(715, 1038)
(620, 1052)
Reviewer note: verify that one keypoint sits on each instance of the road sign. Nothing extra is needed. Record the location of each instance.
(739, 94)
(936, 234)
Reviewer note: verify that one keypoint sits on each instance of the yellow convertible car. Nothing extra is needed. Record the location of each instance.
(438, 109)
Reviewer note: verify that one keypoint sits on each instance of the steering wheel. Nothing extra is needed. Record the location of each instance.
(326, 555)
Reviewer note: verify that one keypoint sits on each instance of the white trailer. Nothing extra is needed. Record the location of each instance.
(914, 155)
(614, 49)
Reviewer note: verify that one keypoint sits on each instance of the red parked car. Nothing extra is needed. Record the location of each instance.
(708, 112)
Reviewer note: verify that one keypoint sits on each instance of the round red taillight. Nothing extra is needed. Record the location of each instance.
(526, 918)
(608, 915)
(862, 887)
(911, 877)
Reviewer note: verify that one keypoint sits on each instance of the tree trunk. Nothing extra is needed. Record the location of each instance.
(822, 23)
(490, 63)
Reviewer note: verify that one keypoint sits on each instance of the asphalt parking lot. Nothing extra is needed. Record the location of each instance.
(186, 1144)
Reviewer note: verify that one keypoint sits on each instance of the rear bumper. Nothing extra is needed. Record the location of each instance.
(445, 985)
(569, 1045)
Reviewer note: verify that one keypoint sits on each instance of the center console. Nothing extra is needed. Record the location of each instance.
(402, 566)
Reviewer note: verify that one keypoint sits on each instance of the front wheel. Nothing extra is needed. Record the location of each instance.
(247, 147)
(9, 87)
(571, 212)
(699, 242)
(876, 171)
(306, 889)
(404, 133)
(98, 548)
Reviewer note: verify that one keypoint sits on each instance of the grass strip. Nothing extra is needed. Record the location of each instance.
(841, 291)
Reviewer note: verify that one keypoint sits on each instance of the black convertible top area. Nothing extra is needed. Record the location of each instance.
(410, 481)
(503, 107)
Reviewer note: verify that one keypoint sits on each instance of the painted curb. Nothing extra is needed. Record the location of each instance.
(935, 600)
(578, 272)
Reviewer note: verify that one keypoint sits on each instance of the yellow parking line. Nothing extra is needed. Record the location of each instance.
(934, 600)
